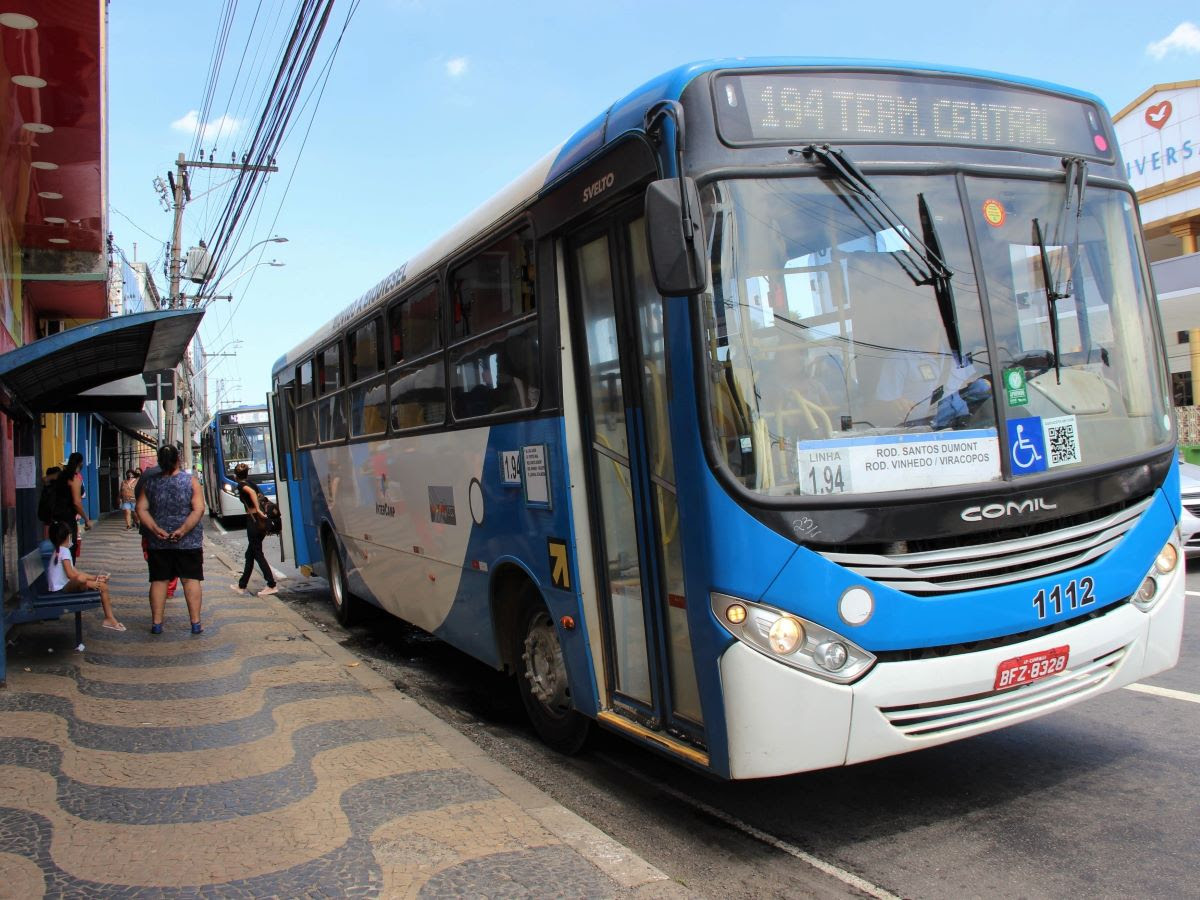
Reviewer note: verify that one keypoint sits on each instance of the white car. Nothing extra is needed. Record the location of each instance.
(1189, 520)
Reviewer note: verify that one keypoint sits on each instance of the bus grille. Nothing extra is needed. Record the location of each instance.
(994, 707)
(1001, 562)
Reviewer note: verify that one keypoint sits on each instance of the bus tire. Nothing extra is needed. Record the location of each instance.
(345, 605)
(542, 681)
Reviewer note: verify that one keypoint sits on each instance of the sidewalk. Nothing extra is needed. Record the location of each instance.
(258, 759)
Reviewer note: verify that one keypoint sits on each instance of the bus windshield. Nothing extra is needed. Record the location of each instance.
(250, 444)
(837, 365)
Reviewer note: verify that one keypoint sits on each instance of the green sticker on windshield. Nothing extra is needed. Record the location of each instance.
(1014, 386)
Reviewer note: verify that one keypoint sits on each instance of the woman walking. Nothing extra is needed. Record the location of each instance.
(256, 521)
(171, 506)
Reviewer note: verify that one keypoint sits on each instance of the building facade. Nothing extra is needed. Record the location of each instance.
(1159, 134)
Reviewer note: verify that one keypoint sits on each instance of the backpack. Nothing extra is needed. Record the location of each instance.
(46, 503)
(270, 509)
(274, 519)
(61, 501)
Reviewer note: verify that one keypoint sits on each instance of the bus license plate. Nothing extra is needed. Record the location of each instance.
(1031, 667)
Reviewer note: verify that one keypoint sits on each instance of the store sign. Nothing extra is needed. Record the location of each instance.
(1160, 139)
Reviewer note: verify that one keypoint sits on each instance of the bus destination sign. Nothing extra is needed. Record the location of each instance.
(837, 107)
(247, 417)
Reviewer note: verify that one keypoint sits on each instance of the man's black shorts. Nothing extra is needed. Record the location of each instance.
(168, 564)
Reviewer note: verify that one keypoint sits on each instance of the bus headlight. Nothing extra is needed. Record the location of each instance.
(229, 488)
(1167, 559)
(1165, 563)
(832, 655)
(785, 635)
(792, 640)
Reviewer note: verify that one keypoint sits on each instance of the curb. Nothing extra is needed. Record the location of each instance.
(614, 859)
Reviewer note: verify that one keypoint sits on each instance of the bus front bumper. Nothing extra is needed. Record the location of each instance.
(780, 720)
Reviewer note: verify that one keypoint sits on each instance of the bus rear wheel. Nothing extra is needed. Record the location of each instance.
(542, 682)
(345, 606)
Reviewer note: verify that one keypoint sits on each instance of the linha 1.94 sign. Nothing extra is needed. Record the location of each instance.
(854, 107)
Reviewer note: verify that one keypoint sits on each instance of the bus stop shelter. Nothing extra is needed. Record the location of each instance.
(83, 369)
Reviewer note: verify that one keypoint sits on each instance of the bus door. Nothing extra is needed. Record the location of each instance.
(621, 373)
(281, 444)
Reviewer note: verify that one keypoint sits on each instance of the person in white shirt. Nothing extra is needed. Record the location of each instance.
(61, 574)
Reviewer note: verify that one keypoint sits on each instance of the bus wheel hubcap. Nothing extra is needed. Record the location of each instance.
(544, 667)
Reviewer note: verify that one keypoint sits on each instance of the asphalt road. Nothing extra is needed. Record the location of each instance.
(1101, 800)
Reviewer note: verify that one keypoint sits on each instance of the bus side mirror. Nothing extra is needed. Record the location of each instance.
(675, 233)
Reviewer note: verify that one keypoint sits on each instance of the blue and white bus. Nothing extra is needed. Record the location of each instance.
(791, 414)
(236, 435)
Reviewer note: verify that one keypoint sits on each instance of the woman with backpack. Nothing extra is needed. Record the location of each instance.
(256, 530)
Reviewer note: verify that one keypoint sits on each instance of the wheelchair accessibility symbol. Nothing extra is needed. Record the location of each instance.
(1026, 446)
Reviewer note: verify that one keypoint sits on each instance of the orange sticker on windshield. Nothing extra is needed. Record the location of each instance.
(993, 211)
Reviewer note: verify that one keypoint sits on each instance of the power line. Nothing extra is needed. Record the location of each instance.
(153, 237)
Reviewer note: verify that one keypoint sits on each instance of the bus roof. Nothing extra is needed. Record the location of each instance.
(621, 117)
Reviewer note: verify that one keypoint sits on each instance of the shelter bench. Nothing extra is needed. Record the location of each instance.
(35, 604)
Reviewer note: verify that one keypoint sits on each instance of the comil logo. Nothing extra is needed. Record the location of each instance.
(1000, 510)
(1157, 115)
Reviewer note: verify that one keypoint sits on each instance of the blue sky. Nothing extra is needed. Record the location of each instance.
(431, 107)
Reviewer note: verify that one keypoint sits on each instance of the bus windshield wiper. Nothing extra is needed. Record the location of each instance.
(1057, 286)
(941, 280)
(1054, 293)
(923, 261)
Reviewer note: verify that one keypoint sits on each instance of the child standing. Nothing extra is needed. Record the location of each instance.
(61, 574)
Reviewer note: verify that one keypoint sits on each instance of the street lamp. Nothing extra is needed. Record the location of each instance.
(271, 240)
(196, 300)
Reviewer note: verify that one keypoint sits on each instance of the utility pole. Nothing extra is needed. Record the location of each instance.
(182, 194)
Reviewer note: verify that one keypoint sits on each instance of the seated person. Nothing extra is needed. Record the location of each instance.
(61, 574)
(924, 386)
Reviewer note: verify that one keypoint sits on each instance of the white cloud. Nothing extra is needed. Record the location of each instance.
(1185, 38)
(457, 67)
(224, 127)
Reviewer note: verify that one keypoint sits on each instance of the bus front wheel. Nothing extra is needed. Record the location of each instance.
(344, 603)
(542, 681)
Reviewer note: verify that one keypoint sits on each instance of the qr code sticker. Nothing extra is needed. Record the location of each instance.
(1062, 440)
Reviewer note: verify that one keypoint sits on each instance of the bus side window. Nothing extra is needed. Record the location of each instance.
(495, 365)
(305, 407)
(367, 393)
(416, 382)
(304, 382)
(331, 416)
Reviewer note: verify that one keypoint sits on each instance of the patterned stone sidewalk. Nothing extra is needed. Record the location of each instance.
(258, 759)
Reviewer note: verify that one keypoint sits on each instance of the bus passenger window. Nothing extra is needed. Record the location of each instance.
(304, 382)
(330, 368)
(498, 373)
(418, 395)
(494, 287)
(332, 419)
(368, 408)
(413, 325)
(306, 425)
(366, 352)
